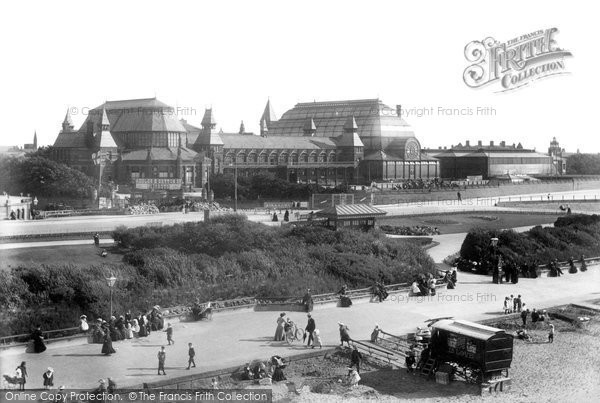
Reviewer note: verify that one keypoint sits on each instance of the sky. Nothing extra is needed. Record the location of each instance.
(234, 55)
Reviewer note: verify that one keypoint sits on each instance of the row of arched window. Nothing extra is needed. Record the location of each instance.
(274, 158)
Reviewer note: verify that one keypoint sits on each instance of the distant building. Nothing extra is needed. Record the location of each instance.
(559, 159)
(20, 151)
(492, 161)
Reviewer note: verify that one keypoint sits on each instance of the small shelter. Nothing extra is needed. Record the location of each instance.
(351, 215)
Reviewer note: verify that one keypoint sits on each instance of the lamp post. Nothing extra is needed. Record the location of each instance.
(494, 261)
(235, 197)
(111, 283)
(97, 159)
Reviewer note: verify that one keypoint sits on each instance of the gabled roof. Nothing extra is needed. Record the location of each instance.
(351, 210)
(70, 140)
(350, 125)
(349, 140)
(309, 125)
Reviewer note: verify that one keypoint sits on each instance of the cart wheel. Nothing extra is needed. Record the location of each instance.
(299, 334)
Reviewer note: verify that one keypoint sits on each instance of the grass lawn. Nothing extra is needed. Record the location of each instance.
(78, 255)
(463, 222)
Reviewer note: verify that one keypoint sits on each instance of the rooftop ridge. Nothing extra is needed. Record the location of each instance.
(336, 103)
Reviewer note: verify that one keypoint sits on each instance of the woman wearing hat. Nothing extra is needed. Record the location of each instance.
(344, 334)
(48, 378)
(279, 335)
(83, 325)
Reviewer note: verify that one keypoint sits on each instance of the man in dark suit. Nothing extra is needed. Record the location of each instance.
(310, 328)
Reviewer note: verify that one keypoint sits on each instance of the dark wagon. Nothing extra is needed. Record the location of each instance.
(478, 353)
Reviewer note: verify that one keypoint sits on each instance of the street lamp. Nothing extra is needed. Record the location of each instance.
(97, 159)
(111, 283)
(234, 165)
(494, 261)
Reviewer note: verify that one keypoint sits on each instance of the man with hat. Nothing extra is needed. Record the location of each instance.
(310, 328)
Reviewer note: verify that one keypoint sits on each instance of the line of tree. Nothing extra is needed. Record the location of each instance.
(572, 236)
(583, 164)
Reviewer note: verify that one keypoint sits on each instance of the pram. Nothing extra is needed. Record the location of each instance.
(12, 381)
(202, 311)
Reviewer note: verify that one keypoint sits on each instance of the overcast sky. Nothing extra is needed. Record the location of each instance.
(234, 55)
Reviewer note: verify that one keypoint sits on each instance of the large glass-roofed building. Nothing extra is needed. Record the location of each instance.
(391, 150)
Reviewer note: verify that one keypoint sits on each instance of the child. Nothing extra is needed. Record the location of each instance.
(317, 336)
(506, 308)
(551, 334)
(191, 355)
(353, 377)
(169, 331)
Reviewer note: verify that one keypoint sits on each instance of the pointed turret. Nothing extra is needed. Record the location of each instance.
(242, 128)
(267, 118)
(103, 138)
(67, 124)
(35, 140)
(309, 128)
(208, 120)
(350, 126)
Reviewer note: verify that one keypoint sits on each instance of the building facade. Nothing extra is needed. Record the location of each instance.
(141, 143)
(492, 161)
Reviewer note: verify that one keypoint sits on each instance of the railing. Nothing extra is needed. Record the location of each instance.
(379, 353)
(48, 334)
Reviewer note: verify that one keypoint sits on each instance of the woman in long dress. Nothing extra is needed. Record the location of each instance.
(38, 340)
(107, 348)
(135, 328)
(279, 335)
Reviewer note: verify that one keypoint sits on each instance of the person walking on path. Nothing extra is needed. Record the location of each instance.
(506, 304)
(524, 315)
(279, 331)
(48, 378)
(317, 340)
(169, 331)
(107, 347)
(162, 356)
(22, 375)
(310, 328)
(344, 334)
(355, 359)
(38, 340)
(191, 355)
(459, 197)
(551, 334)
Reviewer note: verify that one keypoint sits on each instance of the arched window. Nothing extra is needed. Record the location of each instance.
(283, 158)
(273, 158)
(229, 158)
(262, 158)
(322, 156)
(252, 158)
(241, 158)
(331, 157)
(294, 159)
(312, 157)
(304, 157)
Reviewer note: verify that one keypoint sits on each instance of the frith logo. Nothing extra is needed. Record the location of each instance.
(514, 63)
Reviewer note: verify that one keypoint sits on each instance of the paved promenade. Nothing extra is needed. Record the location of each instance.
(109, 223)
(234, 338)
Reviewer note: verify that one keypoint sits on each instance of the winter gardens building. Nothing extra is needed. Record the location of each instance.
(141, 142)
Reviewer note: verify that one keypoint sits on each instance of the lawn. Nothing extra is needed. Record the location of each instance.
(78, 255)
(458, 223)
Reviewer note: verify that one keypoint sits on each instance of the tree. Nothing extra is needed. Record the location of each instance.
(43, 177)
(583, 164)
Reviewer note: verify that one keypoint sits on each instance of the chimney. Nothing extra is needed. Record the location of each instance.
(503, 143)
(445, 148)
(399, 110)
(468, 143)
(479, 143)
(440, 147)
(491, 143)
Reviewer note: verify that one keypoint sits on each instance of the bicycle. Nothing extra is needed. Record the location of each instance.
(295, 333)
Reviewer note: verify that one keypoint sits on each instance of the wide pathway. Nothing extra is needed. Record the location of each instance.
(237, 337)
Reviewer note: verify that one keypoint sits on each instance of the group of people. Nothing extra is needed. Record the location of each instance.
(259, 370)
(379, 291)
(425, 284)
(19, 215)
(124, 327)
(286, 331)
(20, 377)
(513, 304)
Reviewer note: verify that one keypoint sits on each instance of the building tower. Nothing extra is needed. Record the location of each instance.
(35, 140)
(242, 128)
(554, 151)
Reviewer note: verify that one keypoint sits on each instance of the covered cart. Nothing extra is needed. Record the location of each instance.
(475, 352)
